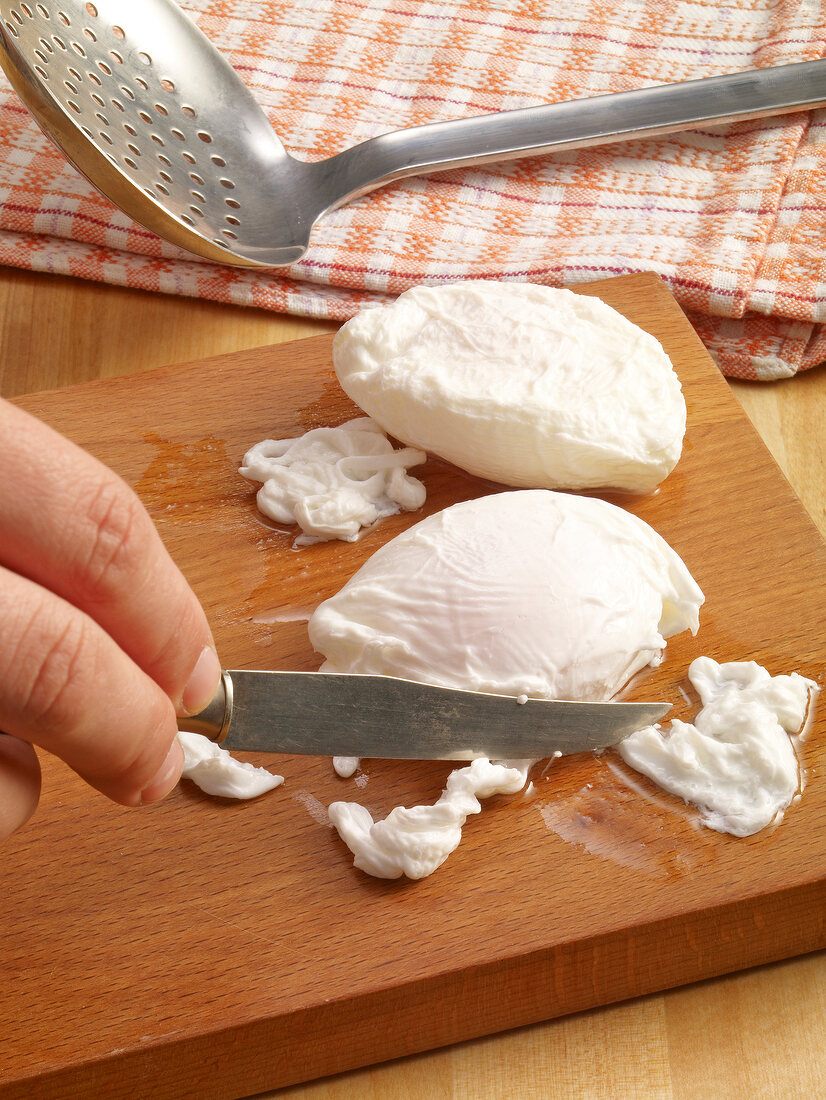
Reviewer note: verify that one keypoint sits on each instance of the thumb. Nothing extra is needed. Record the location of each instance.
(19, 784)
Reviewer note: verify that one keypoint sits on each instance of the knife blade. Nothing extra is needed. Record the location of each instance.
(385, 717)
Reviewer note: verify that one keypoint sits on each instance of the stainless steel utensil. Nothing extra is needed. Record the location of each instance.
(148, 110)
(333, 714)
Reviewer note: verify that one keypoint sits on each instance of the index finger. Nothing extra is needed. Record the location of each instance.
(66, 686)
(71, 525)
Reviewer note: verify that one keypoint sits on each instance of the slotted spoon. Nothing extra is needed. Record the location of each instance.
(147, 109)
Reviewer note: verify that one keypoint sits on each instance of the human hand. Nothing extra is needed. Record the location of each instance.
(102, 639)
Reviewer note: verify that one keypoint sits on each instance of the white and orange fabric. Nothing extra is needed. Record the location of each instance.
(731, 217)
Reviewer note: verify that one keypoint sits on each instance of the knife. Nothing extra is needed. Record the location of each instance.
(385, 717)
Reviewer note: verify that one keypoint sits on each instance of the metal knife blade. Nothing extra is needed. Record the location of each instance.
(333, 714)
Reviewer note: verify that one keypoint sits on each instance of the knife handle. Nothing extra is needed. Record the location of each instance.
(213, 721)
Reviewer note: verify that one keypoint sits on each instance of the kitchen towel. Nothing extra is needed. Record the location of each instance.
(731, 217)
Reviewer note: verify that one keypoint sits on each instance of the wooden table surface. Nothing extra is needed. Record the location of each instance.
(751, 1035)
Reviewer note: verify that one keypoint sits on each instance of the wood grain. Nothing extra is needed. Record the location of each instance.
(516, 989)
(791, 418)
(57, 332)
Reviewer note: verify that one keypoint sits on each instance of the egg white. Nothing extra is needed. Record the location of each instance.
(522, 384)
(528, 592)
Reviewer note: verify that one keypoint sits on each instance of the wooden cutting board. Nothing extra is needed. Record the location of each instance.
(207, 948)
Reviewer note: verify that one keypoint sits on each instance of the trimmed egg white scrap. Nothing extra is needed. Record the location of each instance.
(529, 593)
(736, 762)
(345, 766)
(415, 842)
(218, 773)
(333, 482)
(522, 384)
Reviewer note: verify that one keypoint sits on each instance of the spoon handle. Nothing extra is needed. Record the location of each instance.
(647, 112)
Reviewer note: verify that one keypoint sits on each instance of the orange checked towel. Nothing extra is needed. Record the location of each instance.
(731, 217)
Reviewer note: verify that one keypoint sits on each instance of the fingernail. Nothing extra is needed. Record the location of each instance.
(167, 775)
(203, 683)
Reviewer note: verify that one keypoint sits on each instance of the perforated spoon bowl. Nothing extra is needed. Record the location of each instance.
(138, 99)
